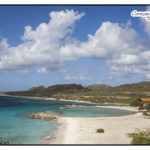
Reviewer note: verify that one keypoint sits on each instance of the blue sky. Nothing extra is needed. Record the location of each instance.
(46, 45)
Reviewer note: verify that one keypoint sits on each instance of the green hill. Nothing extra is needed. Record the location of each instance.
(41, 91)
(99, 87)
(98, 93)
(36, 89)
(135, 87)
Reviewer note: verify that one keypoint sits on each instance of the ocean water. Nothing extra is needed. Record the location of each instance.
(17, 128)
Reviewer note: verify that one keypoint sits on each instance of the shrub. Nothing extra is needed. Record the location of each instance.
(100, 130)
(147, 107)
(145, 113)
(136, 103)
(3, 142)
(141, 138)
(144, 106)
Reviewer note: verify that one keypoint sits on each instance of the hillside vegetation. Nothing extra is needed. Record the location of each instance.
(41, 91)
(98, 93)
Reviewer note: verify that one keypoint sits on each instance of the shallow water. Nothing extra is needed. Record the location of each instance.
(17, 128)
(95, 112)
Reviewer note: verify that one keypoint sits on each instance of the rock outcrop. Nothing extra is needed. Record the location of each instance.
(45, 115)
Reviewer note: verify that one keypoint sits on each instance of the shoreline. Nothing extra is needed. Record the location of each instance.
(128, 108)
(66, 100)
(50, 98)
(82, 130)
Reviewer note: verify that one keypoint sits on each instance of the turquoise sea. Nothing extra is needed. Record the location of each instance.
(17, 128)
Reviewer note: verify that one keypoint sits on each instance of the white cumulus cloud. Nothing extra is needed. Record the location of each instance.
(40, 45)
(50, 45)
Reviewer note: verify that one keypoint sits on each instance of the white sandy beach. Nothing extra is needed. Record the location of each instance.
(79, 130)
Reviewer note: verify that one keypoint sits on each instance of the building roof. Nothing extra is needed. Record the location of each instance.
(145, 99)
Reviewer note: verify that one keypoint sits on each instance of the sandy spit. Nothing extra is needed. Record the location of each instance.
(82, 130)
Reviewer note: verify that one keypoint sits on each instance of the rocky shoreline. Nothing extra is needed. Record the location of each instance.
(45, 115)
(50, 115)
